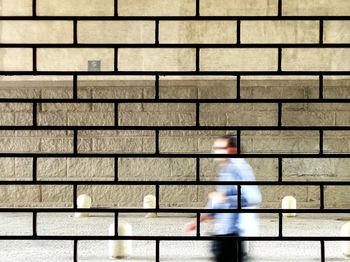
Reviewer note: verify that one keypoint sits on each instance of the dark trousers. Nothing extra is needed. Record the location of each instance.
(228, 250)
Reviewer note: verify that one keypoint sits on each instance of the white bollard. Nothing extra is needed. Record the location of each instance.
(345, 245)
(149, 201)
(118, 249)
(289, 202)
(83, 201)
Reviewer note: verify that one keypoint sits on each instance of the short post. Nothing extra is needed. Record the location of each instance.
(149, 201)
(289, 202)
(83, 201)
(118, 249)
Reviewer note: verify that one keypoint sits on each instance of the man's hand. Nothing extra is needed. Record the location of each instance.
(190, 226)
(217, 197)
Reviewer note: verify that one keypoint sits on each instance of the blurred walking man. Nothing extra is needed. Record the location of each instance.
(225, 197)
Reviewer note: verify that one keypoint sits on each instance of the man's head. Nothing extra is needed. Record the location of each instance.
(225, 145)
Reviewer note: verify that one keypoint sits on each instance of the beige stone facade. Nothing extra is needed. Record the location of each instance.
(185, 45)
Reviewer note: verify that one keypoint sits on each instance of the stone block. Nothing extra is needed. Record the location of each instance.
(178, 196)
(204, 32)
(336, 142)
(146, 169)
(16, 59)
(336, 87)
(36, 32)
(121, 32)
(238, 59)
(116, 87)
(336, 31)
(156, 8)
(75, 8)
(156, 59)
(116, 141)
(279, 87)
(51, 168)
(315, 8)
(238, 114)
(90, 168)
(336, 196)
(19, 195)
(315, 59)
(157, 114)
(279, 32)
(57, 195)
(15, 169)
(197, 87)
(280, 142)
(16, 8)
(74, 59)
(238, 8)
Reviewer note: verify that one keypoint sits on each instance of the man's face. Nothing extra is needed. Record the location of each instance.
(220, 147)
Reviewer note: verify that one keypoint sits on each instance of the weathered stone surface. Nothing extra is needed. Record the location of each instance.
(157, 114)
(146, 169)
(200, 87)
(156, 59)
(51, 168)
(315, 59)
(75, 8)
(16, 8)
(90, 168)
(219, 32)
(116, 141)
(57, 195)
(336, 32)
(74, 59)
(156, 8)
(315, 7)
(238, 59)
(238, 8)
(336, 141)
(278, 87)
(17, 32)
(116, 87)
(178, 196)
(19, 196)
(280, 32)
(116, 32)
(336, 87)
(16, 169)
(188, 141)
(336, 196)
(117, 196)
(238, 114)
(280, 141)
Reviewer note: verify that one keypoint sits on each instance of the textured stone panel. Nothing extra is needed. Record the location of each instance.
(156, 59)
(157, 114)
(16, 168)
(36, 32)
(116, 87)
(16, 8)
(238, 59)
(315, 59)
(146, 169)
(315, 7)
(280, 141)
(116, 141)
(279, 87)
(156, 8)
(74, 59)
(188, 141)
(336, 87)
(238, 114)
(336, 32)
(187, 32)
(75, 8)
(16, 59)
(336, 142)
(197, 87)
(116, 32)
(238, 8)
(280, 32)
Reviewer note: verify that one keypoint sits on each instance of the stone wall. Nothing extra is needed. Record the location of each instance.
(145, 45)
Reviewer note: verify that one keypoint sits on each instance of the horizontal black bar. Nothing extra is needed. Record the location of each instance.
(177, 238)
(172, 210)
(173, 45)
(181, 128)
(193, 182)
(175, 18)
(178, 73)
(152, 100)
(172, 155)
